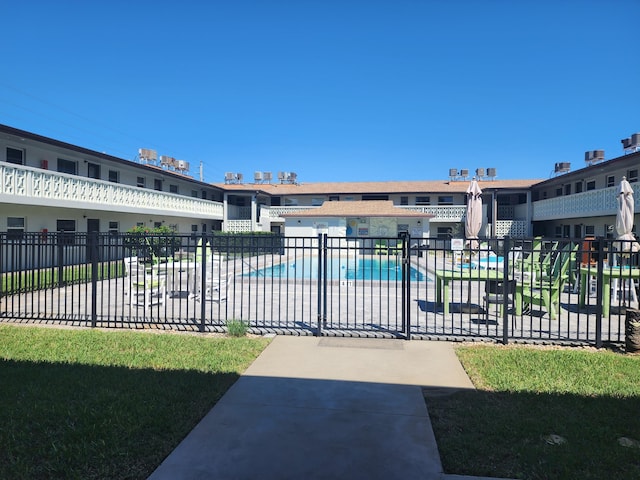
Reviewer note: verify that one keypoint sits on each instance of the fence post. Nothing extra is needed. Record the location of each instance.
(203, 280)
(405, 285)
(599, 286)
(322, 283)
(506, 288)
(92, 239)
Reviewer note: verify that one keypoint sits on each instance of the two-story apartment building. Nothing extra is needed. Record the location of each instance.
(49, 185)
(261, 206)
(583, 202)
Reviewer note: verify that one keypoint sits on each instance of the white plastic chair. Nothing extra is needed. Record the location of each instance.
(144, 288)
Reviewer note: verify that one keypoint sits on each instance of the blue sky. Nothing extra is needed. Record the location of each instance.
(332, 90)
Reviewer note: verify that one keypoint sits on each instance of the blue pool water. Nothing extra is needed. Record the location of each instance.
(339, 269)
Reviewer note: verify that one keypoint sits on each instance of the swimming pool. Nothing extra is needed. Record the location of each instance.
(339, 269)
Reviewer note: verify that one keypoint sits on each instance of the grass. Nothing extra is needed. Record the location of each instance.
(525, 396)
(89, 404)
(37, 279)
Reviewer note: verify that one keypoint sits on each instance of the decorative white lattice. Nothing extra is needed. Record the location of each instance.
(24, 181)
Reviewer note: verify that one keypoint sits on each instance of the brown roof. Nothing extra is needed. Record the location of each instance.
(347, 188)
(373, 208)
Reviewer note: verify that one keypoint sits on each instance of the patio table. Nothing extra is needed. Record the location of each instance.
(444, 277)
(608, 274)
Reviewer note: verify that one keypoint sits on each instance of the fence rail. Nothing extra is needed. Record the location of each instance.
(508, 290)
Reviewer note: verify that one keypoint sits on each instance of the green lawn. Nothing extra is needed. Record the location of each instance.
(83, 404)
(542, 413)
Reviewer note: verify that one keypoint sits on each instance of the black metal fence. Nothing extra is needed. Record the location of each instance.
(534, 289)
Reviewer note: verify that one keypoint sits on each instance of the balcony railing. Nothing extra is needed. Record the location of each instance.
(442, 213)
(32, 186)
(593, 203)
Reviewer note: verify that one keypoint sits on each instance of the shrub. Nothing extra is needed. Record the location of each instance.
(237, 328)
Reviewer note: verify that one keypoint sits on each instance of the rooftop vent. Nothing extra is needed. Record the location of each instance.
(491, 173)
(147, 156)
(479, 172)
(232, 177)
(288, 177)
(593, 156)
(631, 144)
(563, 167)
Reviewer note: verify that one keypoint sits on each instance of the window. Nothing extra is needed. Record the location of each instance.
(157, 184)
(290, 202)
(173, 188)
(632, 175)
(579, 187)
(567, 189)
(559, 192)
(15, 155)
(194, 228)
(204, 194)
(566, 231)
(114, 228)
(157, 225)
(194, 193)
(15, 228)
(425, 200)
(589, 230)
(67, 166)
(316, 202)
(558, 232)
(611, 180)
(375, 197)
(93, 170)
(445, 200)
(66, 230)
(544, 195)
(334, 198)
(141, 182)
(404, 200)
(114, 176)
(444, 232)
(591, 185)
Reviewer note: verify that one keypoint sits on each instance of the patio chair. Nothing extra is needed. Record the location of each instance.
(144, 288)
(546, 293)
(216, 286)
(494, 294)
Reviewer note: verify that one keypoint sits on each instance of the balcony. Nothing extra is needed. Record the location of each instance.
(32, 186)
(442, 213)
(594, 203)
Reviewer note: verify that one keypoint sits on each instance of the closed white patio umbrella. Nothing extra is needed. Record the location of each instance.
(624, 218)
(473, 218)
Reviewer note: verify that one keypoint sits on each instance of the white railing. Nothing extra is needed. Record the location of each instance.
(446, 213)
(593, 203)
(441, 213)
(26, 185)
(276, 212)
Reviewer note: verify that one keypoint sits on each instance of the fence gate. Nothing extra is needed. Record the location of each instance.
(363, 291)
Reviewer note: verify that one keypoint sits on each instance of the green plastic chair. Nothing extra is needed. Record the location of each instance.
(547, 293)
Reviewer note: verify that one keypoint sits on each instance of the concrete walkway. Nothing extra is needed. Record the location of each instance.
(324, 408)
